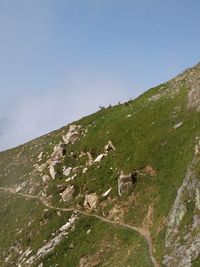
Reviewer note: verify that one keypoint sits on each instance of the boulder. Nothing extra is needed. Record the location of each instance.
(99, 158)
(41, 168)
(67, 194)
(84, 170)
(40, 156)
(109, 147)
(178, 125)
(72, 135)
(20, 187)
(126, 181)
(59, 152)
(107, 192)
(46, 178)
(91, 201)
(90, 159)
(52, 171)
(76, 169)
(67, 171)
(74, 127)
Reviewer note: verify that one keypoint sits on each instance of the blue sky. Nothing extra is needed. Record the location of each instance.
(61, 59)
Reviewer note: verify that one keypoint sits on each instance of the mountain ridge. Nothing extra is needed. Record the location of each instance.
(134, 164)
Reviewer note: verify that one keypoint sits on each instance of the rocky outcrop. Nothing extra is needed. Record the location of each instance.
(59, 152)
(182, 241)
(72, 135)
(51, 244)
(190, 77)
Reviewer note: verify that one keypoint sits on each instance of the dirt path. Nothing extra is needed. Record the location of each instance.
(142, 231)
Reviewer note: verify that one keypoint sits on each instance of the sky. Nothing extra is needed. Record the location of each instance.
(61, 59)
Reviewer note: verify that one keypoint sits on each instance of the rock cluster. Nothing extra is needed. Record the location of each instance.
(58, 154)
(72, 135)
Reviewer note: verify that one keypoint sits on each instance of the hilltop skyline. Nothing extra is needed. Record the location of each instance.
(60, 60)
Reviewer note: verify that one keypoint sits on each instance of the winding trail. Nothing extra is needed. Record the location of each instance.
(142, 231)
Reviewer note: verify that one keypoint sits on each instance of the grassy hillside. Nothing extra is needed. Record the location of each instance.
(153, 139)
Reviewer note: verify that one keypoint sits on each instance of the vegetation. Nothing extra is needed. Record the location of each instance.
(144, 134)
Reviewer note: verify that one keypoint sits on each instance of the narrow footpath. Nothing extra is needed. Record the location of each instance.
(142, 231)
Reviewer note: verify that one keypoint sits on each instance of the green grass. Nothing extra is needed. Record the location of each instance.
(111, 246)
(146, 138)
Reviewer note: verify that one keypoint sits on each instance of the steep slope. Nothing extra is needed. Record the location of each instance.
(117, 188)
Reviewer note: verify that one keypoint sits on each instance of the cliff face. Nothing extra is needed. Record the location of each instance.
(117, 188)
(182, 241)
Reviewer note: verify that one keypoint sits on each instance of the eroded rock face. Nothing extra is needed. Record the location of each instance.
(91, 201)
(182, 241)
(192, 79)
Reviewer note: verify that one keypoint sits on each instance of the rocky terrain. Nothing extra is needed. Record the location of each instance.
(120, 187)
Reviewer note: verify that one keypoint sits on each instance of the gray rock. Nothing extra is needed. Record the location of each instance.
(67, 194)
(72, 135)
(125, 181)
(181, 247)
(109, 147)
(52, 171)
(40, 156)
(178, 125)
(46, 178)
(67, 171)
(59, 151)
(99, 158)
(91, 201)
(107, 192)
